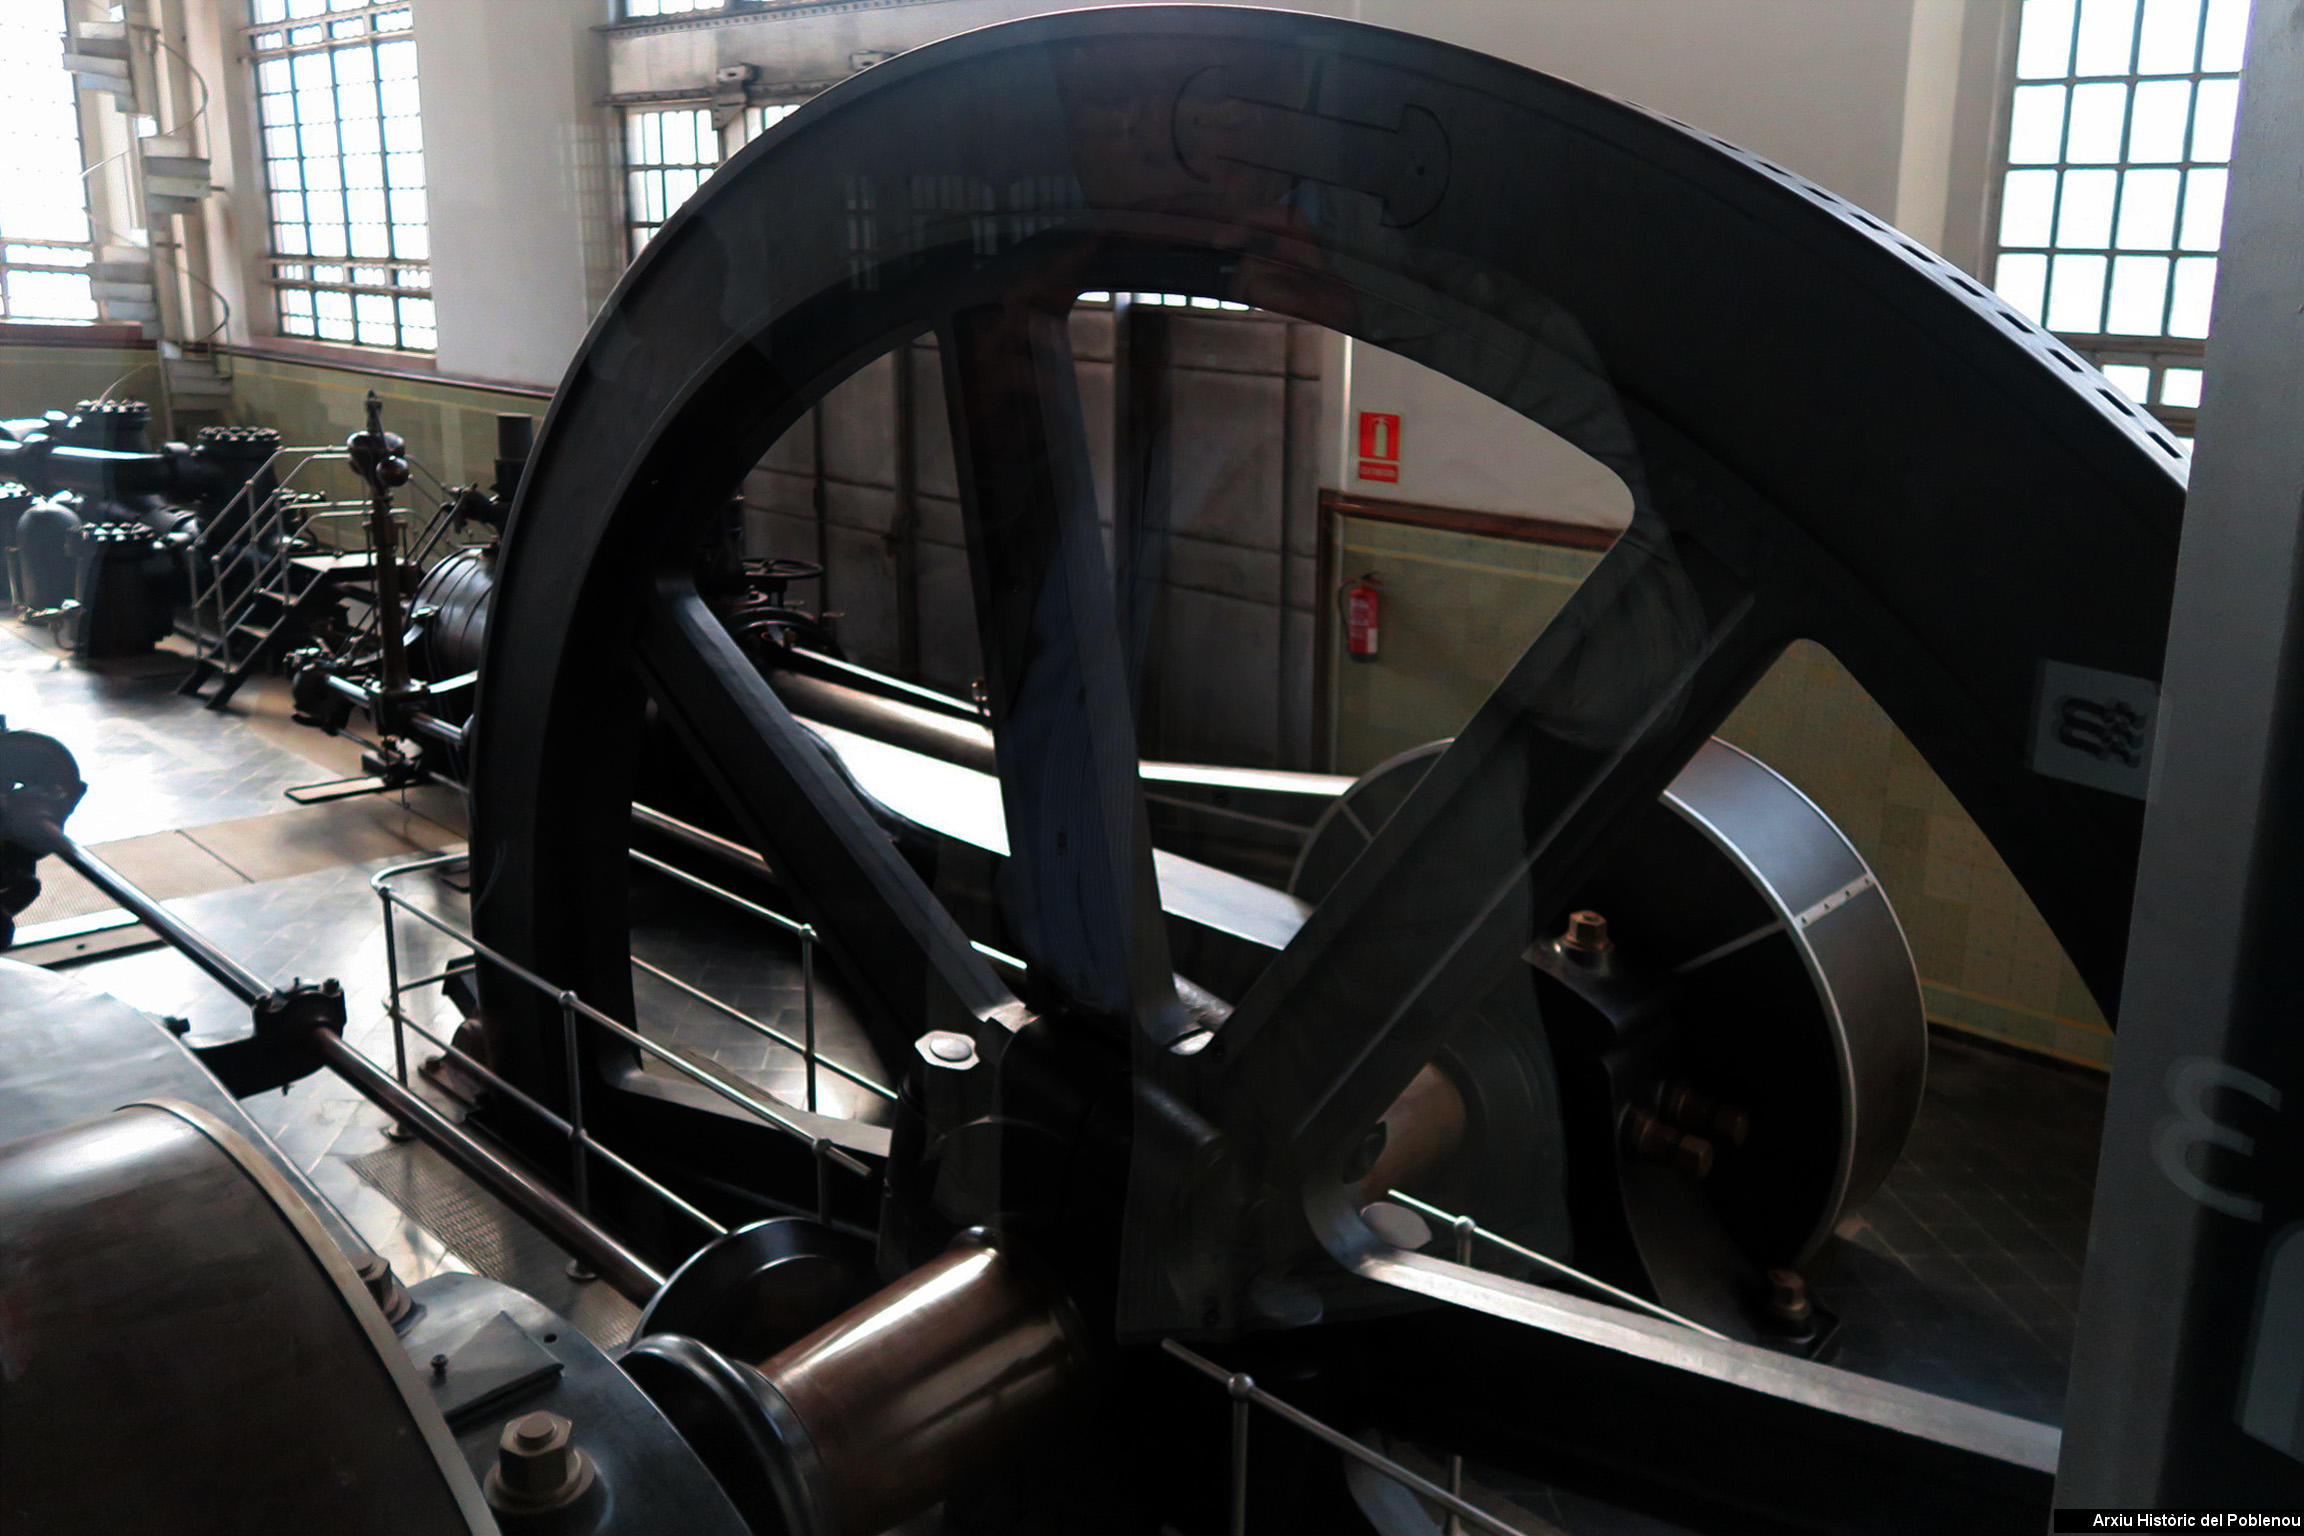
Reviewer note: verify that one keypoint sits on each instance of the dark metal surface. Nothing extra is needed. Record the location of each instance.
(1664, 303)
(654, 1482)
(761, 1287)
(1770, 937)
(1852, 949)
(855, 886)
(2188, 1385)
(1719, 1434)
(70, 1051)
(161, 1271)
(450, 607)
(1081, 904)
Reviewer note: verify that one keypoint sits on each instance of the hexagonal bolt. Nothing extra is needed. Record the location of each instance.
(1788, 1296)
(538, 1466)
(1649, 1137)
(947, 1048)
(1690, 1110)
(384, 1287)
(1587, 934)
(1693, 1157)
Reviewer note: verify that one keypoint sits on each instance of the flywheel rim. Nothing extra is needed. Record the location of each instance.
(719, 336)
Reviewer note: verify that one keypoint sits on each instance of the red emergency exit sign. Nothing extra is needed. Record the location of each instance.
(1380, 447)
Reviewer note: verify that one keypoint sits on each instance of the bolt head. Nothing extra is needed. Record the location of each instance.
(1587, 932)
(1693, 1157)
(948, 1048)
(538, 1465)
(1788, 1295)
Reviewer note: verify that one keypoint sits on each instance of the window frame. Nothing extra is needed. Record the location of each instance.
(86, 250)
(668, 10)
(386, 299)
(756, 118)
(2168, 362)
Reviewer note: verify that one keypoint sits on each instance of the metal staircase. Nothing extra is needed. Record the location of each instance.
(262, 573)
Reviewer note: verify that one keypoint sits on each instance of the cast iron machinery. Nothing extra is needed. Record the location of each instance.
(1112, 1144)
(1827, 433)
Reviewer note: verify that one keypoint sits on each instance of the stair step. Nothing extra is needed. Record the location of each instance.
(342, 567)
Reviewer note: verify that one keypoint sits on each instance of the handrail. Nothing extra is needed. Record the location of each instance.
(1245, 1394)
(582, 1145)
(229, 574)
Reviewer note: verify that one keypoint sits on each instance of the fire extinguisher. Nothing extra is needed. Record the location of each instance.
(1363, 607)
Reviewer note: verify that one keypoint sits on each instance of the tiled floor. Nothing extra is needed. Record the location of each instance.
(1962, 1275)
(156, 762)
(740, 960)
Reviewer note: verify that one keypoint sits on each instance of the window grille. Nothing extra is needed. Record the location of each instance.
(668, 153)
(343, 151)
(2112, 200)
(46, 243)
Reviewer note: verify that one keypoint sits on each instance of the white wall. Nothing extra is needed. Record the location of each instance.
(1872, 98)
(517, 158)
(1863, 96)
(1459, 448)
(1875, 98)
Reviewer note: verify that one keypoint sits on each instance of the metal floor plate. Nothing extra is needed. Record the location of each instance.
(492, 1239)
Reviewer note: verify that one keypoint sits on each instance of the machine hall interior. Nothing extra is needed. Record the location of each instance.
(821, 767)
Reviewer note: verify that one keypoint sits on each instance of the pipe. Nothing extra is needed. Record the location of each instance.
(631, 1275)
(188, 941)
(930, 732)
(724, 849)
(917, 1388)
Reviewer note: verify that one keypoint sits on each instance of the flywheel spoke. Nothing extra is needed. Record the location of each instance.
(1078, 893)
(899, 946)
(1587, 728)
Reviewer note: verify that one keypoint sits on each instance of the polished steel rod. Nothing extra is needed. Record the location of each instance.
(188, 941)
(1567, 1272)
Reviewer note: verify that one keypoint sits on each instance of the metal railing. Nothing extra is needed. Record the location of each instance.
(1247, 1396)
(228, 572)
(230, 575)
(1466, 1229)
(575, 1014)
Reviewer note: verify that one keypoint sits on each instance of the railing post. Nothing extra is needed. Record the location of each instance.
(397, 1130)
(579, 1172)
(1242, 1388)
(808, 1006)
(392, 988)
(1466, 1230)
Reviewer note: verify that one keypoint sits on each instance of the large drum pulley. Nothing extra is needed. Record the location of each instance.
(171, 1309)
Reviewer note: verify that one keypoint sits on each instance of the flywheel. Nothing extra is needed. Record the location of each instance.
(1827, 433)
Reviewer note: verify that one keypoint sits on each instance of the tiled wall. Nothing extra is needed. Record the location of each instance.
(36, 378)
(1458, 610)
(450, 428)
